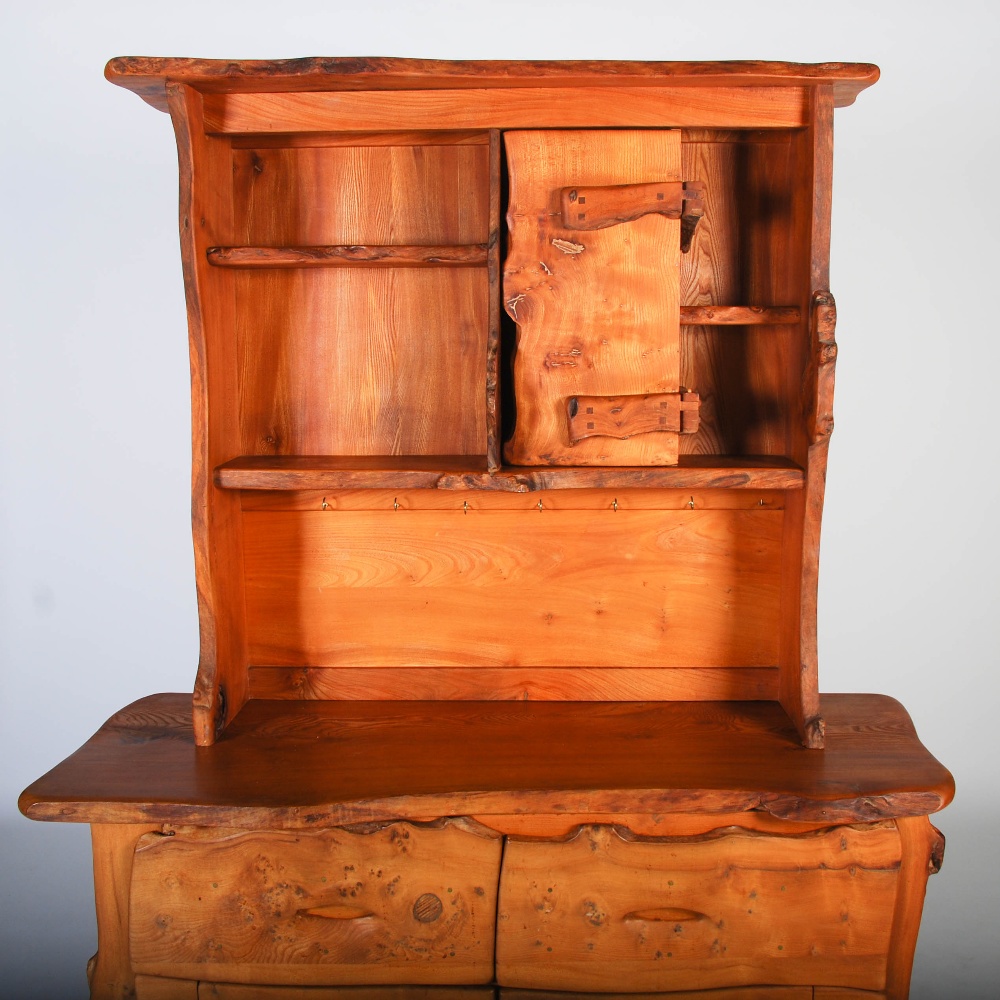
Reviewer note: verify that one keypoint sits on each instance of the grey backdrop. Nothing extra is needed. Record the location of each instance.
(98, 603)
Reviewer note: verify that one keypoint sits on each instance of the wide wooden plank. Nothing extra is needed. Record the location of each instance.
(596, 311)
(146, 76)
(403, 349)
(299, 764)
(358, 195)
(468, 472)
(516, 683)
(235, 991)
(688, 588)
(740, 993)
(349, 256)
(509, 108)
(400, 903)
(605, 910)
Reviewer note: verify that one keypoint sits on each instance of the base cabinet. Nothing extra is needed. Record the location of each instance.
(453, 908)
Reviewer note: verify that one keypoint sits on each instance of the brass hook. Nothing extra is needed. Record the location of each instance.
(539, 506)
(395, 503)
(690, 503)
(325, 505)
(614, 504)
(465, 506)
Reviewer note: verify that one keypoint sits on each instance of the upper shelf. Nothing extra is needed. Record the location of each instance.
(459, 255)
(148, 77)
(462, 472)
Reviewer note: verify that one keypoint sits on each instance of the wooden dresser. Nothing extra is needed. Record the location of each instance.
(512, 391)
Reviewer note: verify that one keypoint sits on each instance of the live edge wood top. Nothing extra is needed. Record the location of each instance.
(148, 77)
(297, 765)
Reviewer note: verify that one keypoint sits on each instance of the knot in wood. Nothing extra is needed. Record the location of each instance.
(427, 908)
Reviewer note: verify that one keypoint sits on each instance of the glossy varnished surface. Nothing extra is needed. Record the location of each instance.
(301, 764)
(147, 76)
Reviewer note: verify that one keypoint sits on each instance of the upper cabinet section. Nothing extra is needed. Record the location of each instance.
(503, 276)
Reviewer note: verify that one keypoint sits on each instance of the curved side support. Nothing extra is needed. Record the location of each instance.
(205, 220)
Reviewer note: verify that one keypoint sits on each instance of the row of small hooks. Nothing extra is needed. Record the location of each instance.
(466, 506)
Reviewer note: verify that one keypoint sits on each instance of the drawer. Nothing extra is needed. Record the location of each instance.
(605, 910)
(391, 904)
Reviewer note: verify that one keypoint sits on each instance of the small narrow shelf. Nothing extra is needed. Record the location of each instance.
(464, 472)
(341, 255)
(739, 315)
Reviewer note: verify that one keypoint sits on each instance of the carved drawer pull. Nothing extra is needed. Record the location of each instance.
(668, 914)
(337, 912)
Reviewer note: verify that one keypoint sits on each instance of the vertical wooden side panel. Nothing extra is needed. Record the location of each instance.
(923, 849)
(597, 310)
(206, 220)
(493, 331)
(110, 975)
(799, 673)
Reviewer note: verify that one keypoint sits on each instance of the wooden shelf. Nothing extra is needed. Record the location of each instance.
(341, 255)
(449, 472)
(739, 315)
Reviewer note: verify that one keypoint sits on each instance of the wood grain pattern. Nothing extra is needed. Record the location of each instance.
(843, 993)
(516, 683)
(360, 195)
(923, 852)
(110, 973)
(690, 588)
(304, 764)
(234, 991)
(740, 993)
(363, 362)
(609, 501)
(731, 910)
(401, 903)
(206, 220)
(509, 108)
(146, 76)
(739, 315)
(601, 317)
(443, 472)
(397, 137)
(810, 437)
(161, 988)
(346, 256)
(493, 384)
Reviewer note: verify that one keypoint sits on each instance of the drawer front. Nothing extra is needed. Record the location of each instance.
(606, 911)
(401, 903)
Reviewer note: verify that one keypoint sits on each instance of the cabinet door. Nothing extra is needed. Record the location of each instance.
(592, 282)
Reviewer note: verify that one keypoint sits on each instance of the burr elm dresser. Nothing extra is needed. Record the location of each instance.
(512, 393)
